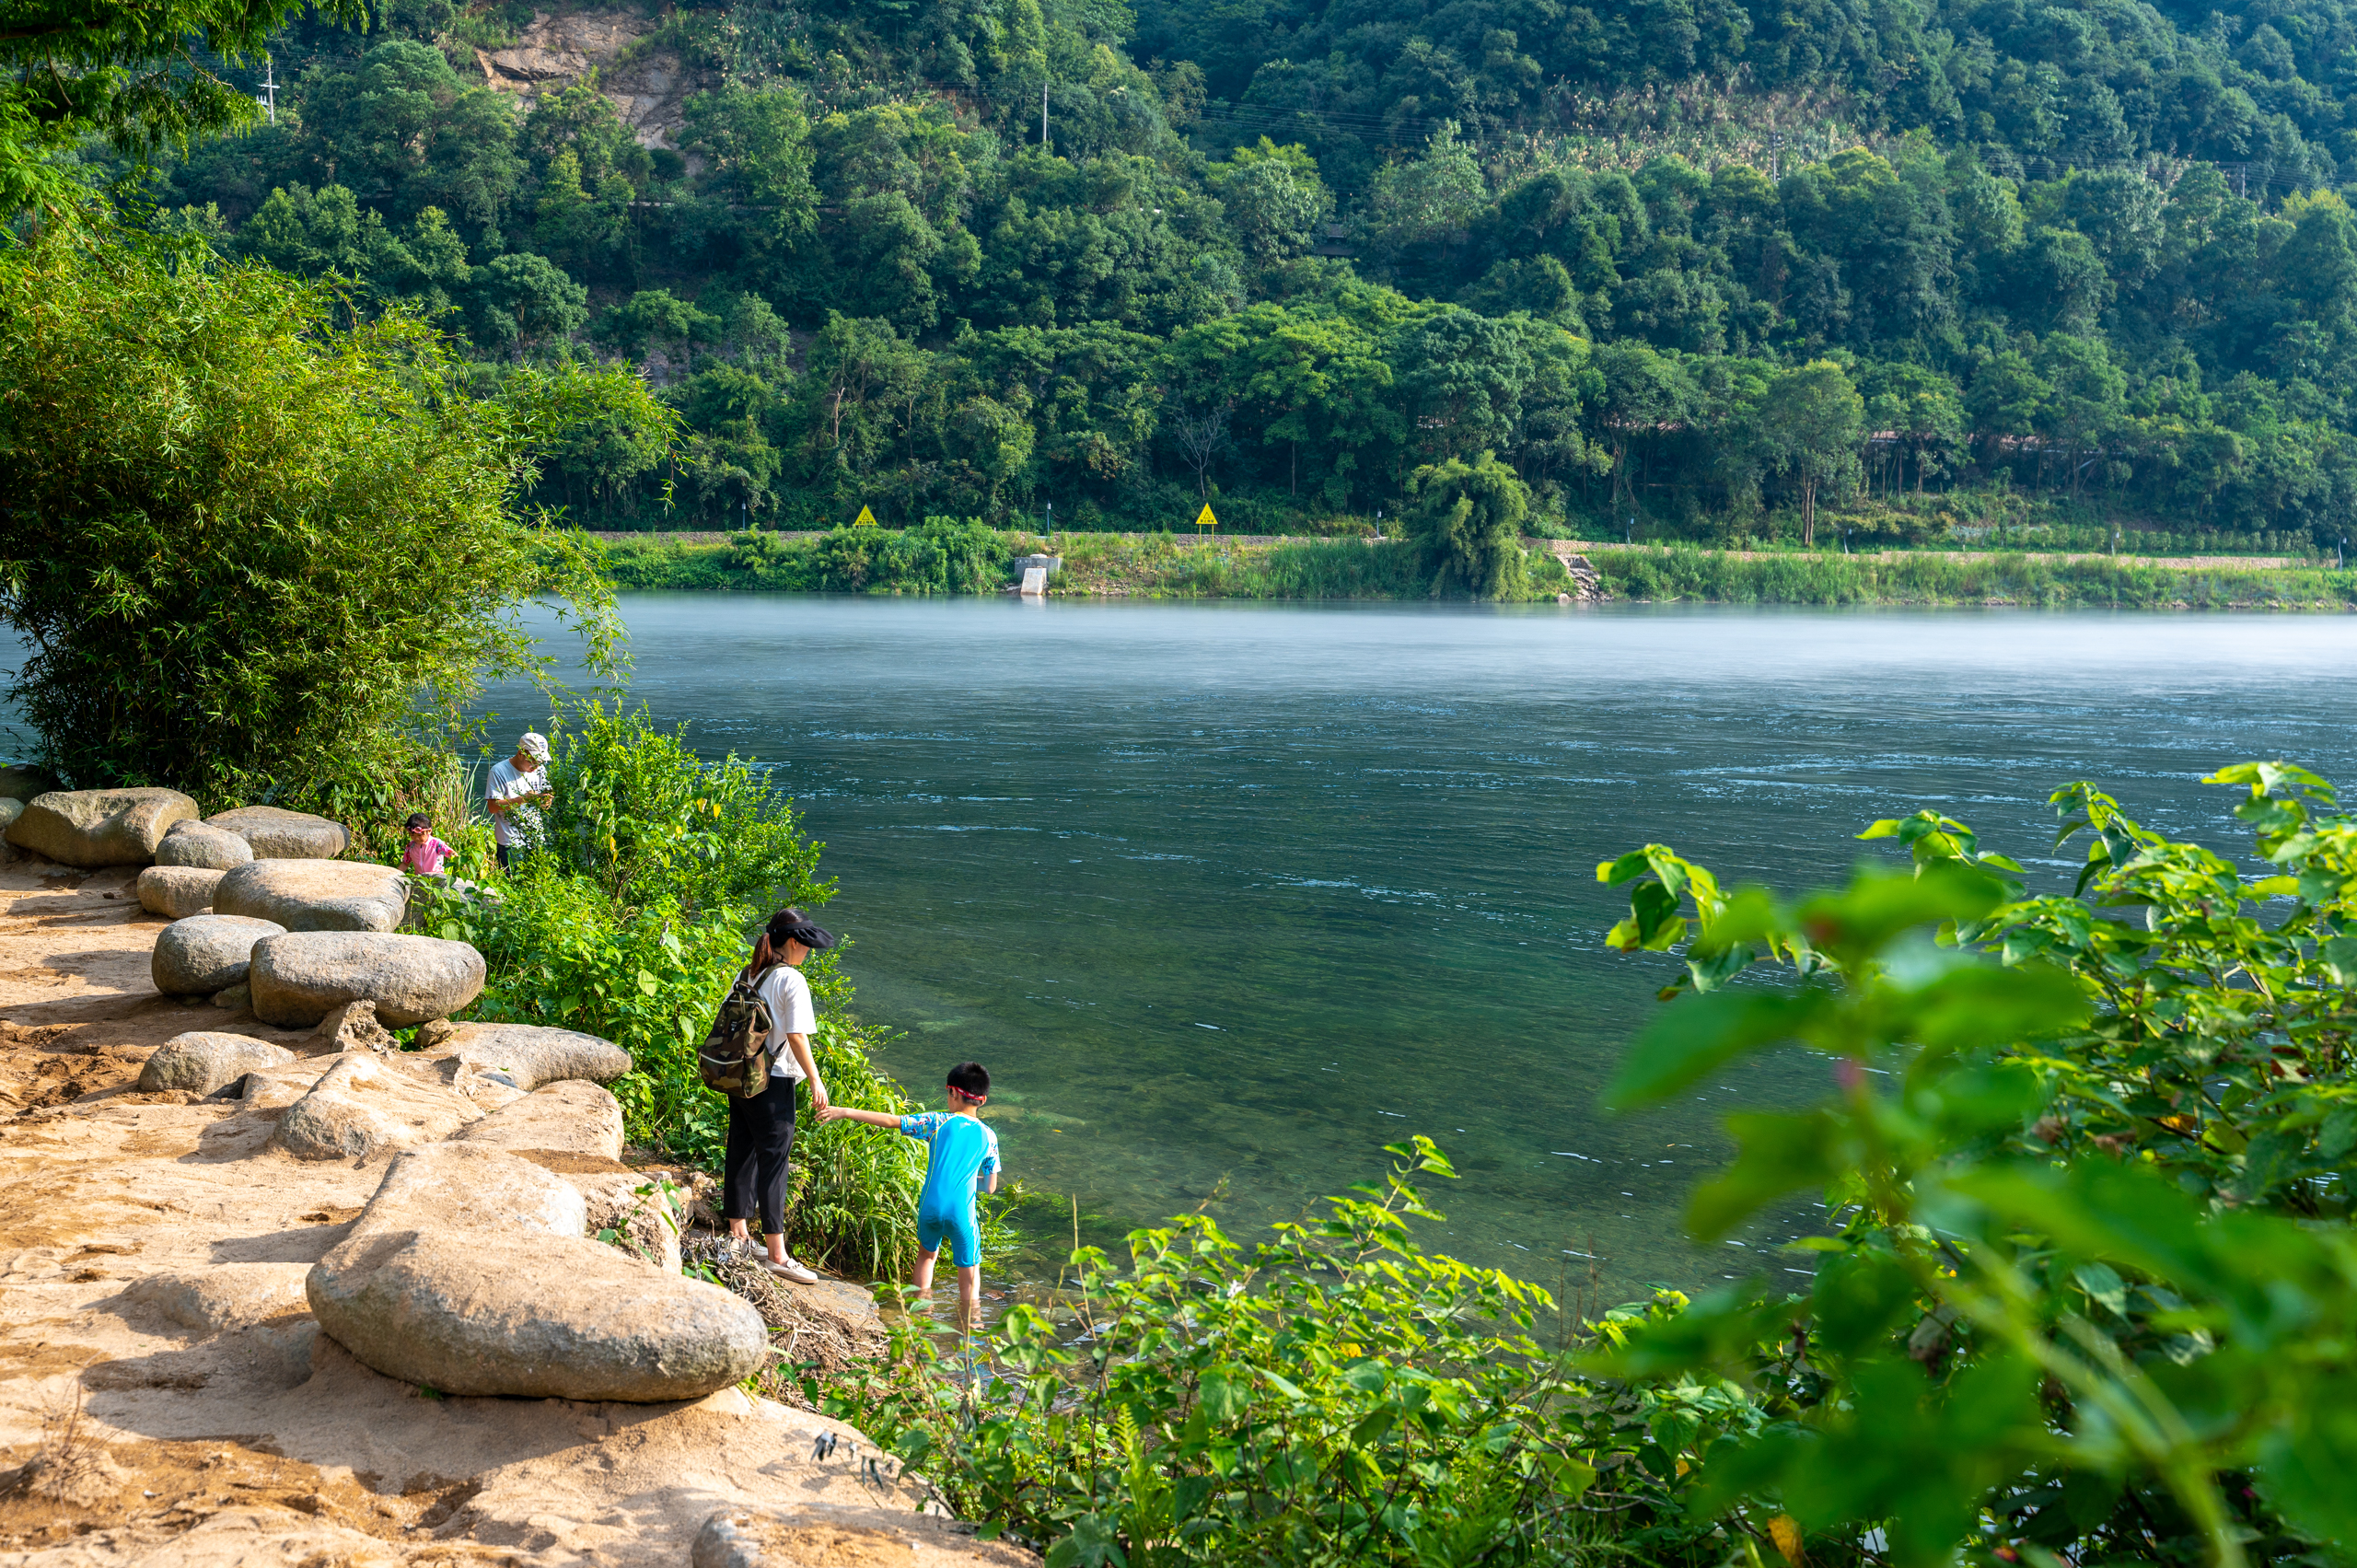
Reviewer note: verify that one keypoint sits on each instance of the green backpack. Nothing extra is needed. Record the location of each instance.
(735, 1055)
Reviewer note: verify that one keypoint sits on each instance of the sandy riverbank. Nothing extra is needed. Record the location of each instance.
(159, 1370)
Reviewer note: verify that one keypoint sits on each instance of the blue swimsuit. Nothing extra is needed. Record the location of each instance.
(962, 1150)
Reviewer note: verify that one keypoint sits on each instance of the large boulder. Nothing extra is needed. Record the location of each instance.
(196, 843)
(177, 891)
(300, 978)
(91, 828)
(528, 1054)
(798, 1534)
(204, 1061)
(205, 954)
(283, 835)
(467, 1274)
(365, 1107)
(316, 895)
(568, 1123)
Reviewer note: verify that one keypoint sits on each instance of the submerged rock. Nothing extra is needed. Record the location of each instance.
(316, 895)
(204, 1061)
(196, 843)
(467, 1274)
(91, 828)
(274, 834)
(177, 891)
(300, 978)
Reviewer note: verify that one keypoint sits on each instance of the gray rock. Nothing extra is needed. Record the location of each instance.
(236, 998)
(353, 1027)
(467, 1274)
(177, 891)
(316, 895)
(283, 835)
(204, 1061)
(466, 1187)
(364, 1107)
(10, 809)
(205, 954)
(196, 843)
(300, 978)
(530, 1054)
(91, 828)
(224, 1297)
(565, 1122)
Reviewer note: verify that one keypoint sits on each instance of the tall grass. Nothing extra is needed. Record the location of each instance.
(1676, 573)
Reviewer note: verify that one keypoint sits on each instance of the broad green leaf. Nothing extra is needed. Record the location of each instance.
(1700, 1034)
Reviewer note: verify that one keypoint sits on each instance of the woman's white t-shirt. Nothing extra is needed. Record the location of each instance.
(790, 1013)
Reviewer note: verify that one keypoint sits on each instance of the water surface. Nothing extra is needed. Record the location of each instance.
(1229, 896)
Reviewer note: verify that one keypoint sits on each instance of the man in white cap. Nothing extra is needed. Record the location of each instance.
(516, 786)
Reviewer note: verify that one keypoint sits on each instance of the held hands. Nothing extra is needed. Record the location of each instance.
(830, 1112)
(819, 1100)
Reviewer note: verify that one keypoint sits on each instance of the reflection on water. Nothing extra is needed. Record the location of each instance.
(1237, 894)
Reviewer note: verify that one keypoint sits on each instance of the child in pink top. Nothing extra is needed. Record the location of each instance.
(425, 853)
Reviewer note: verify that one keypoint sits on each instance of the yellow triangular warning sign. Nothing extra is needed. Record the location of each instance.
(1204, 519)
(867, 519)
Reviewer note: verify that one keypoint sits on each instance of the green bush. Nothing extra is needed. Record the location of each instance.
(1333, 1395)
(940, 555)
(2088, 1292)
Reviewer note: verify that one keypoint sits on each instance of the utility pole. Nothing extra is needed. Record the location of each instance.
(270, 89)
(1043, 117)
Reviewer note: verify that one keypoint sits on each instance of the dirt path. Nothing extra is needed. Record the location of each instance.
(170, 1399)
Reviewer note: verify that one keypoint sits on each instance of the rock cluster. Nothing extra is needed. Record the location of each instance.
(468, 1273)
(316, 895)
(93, 827)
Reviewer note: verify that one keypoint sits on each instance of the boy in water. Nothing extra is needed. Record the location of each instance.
(961, 1159)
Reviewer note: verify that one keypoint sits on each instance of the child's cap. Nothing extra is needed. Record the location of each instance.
(970, 1078)
(418, 820)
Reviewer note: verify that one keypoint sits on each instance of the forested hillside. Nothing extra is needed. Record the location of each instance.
(1701, 264)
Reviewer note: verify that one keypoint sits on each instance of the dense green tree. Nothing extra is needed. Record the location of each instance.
(1808, 425)
(1469, 519)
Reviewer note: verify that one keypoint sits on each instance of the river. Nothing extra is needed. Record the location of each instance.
(1229, 896)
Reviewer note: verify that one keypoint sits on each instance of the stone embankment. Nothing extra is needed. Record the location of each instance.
(230, 1204)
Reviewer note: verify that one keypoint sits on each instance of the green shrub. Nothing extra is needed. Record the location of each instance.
(940, 555)
(2088, 1292)
(1333, 1395)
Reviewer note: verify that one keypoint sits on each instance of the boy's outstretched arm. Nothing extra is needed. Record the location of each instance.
(873, 1118)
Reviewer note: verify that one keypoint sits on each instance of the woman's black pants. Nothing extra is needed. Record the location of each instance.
(760, 1136)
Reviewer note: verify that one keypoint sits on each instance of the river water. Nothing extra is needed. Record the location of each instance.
(1229, 896)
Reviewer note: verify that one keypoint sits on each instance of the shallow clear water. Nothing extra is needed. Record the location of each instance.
(1229, 896)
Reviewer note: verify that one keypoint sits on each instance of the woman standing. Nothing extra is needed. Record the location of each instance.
(761, 1130)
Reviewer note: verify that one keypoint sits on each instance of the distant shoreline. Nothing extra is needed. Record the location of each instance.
(1311, 569)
